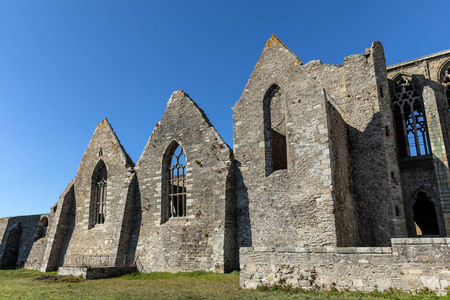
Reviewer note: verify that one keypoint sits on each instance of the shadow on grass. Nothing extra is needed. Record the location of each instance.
(203, 275)
(56, 278)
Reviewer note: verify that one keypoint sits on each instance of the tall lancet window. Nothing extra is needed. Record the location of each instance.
(275, 130)
(175, 203)
(445, 79)
(409, 115)
(98, 194)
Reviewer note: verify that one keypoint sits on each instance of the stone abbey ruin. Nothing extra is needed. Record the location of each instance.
(339, 177)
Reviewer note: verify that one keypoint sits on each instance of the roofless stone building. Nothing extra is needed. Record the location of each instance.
(339, 178)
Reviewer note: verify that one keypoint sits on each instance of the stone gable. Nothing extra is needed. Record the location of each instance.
(204, 237)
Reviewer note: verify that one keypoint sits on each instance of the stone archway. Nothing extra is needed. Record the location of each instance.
(425, 216)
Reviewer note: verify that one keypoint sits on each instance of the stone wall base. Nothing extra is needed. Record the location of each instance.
(409, 265)
(96, 272)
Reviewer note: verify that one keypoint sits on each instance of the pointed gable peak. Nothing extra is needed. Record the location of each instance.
(105, 126)
(105, 121)
(178, 95)
(274, 41)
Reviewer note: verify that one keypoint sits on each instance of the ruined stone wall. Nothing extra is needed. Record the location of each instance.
(204, 238)
(359, 90)
(372, 149)
(88, 238)
(17, 234)
(290, 207)
(409, 265)
(331, 78)
(36, 255)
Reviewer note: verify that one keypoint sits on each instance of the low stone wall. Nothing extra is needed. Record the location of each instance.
(95, 272)
(411, 264)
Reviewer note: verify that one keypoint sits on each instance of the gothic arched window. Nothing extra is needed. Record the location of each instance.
(98, 194)
(409, 116)
(174, 204)
(275, 130)
(445, 80)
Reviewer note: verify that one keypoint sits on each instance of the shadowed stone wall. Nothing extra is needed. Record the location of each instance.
(17, 235)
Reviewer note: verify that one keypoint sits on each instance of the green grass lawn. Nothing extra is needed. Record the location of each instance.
(27, 284)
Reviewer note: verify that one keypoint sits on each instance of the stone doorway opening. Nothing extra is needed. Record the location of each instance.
(425, 216)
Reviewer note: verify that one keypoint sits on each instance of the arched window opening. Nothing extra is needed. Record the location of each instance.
(175, 205)
(41, 230)
(409, 116)
(445, 80)
(99, 193)
(425, 217)
(275, 130)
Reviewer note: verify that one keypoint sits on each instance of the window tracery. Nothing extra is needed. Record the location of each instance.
(99, 193)
(176, 183)
(409, 116)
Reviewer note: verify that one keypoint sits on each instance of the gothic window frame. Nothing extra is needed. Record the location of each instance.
(99, 192)
(413, 139)
(444, 79)
(278, 161)
(174, 183)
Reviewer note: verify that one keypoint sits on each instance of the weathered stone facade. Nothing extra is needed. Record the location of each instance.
(367, 164)
(339, 178)
(204, 238)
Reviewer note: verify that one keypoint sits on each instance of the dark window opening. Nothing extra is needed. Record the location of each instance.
(409, 116)
(279, 155)
(176, 187)
(275, 130)
(425, 216)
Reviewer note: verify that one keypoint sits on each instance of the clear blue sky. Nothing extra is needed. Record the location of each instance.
(66, 65)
